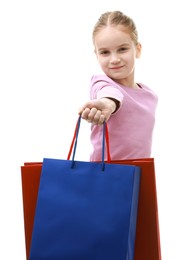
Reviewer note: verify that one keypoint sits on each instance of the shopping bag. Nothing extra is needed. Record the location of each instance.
(147, 244)
(85, 210)
(30, 177)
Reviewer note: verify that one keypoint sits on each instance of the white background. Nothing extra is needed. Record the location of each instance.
(46, 61)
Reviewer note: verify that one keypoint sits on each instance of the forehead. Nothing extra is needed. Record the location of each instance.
(111, 36)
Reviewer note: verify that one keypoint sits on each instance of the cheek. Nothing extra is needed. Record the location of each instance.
(102, 62)
(131, 57)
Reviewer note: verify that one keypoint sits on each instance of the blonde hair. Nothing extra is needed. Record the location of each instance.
(116, 18)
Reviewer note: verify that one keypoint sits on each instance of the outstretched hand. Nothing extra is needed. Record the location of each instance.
(98, 110)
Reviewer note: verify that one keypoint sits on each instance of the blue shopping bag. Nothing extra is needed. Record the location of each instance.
(85, 210)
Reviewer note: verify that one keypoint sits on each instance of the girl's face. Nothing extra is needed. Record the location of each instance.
(116, 53)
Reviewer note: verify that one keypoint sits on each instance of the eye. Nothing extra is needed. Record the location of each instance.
(104, 52)
(123, 49)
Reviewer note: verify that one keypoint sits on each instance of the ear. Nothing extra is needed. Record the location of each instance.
(138, 50)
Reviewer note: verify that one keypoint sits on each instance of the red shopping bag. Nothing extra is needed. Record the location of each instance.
(30, 176)
(147, 244)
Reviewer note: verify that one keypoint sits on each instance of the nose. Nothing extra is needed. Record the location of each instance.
(115, 59)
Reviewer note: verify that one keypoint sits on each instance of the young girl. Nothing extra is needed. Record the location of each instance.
(115, 96)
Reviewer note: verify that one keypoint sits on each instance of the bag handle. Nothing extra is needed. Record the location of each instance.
(105, 140)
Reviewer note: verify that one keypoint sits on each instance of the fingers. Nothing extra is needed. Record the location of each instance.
(93, 115)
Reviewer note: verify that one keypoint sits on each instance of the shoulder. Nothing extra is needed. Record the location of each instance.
(102, 78)
(148, 90)
(103, 86)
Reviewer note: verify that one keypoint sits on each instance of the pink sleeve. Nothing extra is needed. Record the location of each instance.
(103, 86)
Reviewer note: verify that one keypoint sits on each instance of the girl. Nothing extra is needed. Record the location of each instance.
(115, 96)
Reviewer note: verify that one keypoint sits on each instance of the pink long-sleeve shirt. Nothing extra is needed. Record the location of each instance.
(131, 126)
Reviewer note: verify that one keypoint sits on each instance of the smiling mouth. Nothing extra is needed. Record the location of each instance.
(116, 68)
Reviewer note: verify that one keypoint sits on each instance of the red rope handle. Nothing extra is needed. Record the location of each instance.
(107, 143)
(72, 142)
